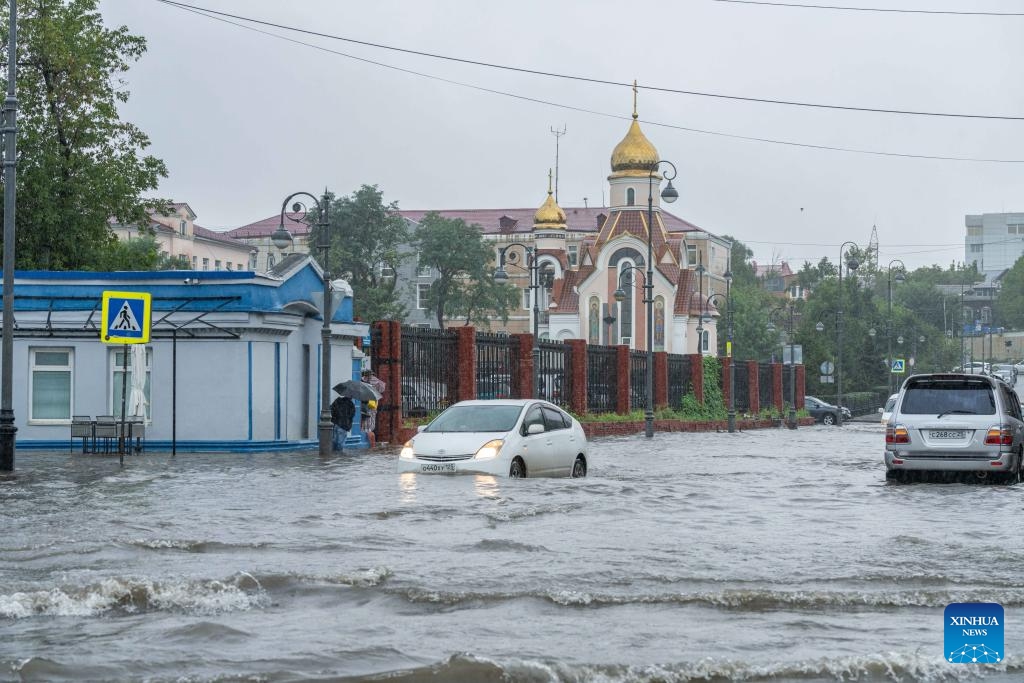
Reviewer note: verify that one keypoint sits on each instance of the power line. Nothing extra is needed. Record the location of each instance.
(875, 9)
(524, 98)
(588, 79)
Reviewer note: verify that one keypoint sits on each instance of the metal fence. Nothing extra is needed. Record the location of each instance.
(679, 379)
(764, 386)
(497, 366)
(602, 379)
(742, 384)
(788, 380)
(637, 380)
(554, 371)
(429, 370)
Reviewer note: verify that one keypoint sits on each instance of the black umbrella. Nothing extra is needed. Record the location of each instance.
(356, 390)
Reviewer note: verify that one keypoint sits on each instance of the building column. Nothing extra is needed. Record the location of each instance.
(465, 355)
(578, 374)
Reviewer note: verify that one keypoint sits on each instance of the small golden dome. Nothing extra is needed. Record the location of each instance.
(550, 214)
(635, 152)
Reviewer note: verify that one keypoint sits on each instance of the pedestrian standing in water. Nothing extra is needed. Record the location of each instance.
(343, 411)
(369, 423)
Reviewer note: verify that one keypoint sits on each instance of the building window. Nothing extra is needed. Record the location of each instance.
(195, 261)
(422, 292)
(526, 298)
(974, 231)
(1015, 229)
(270, 261)
(630, 196)
(252, 260)
(50, 389)
(705, 338)
(691, 254)
(118, 379)
(183, 227)
(227, 265)
(422, 270)
(975, 249)
(206, 264)
(216, 264)
(574, 254)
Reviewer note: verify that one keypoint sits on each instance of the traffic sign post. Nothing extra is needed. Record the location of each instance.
(127, 317)
(899, 366)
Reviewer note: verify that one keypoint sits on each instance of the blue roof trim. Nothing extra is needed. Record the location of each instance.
(121, 275)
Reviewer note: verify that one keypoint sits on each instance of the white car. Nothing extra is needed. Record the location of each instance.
(886, 412)
(504, 437)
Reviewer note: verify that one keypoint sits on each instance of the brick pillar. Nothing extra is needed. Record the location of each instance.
(578, 390)
(726, 374)
(697, 376)
(386, 361)
(777, 399)
(801, 385)
(622, 374)
(525, 354)
(465, 354)
(754, 382)
(660, 379)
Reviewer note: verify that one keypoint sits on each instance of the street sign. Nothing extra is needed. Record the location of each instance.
(828, 379)
(126, 317)
(899, 366)
(828, 367)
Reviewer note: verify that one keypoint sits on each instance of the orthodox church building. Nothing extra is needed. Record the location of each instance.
(584, 255)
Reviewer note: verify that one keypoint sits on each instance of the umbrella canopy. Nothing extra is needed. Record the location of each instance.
(137, 396)
(357, 391)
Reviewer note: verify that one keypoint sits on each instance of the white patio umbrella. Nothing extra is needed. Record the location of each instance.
(137, 391)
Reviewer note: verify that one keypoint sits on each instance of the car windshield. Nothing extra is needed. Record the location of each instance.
(479, 418)
(889, 404)
(939, 397)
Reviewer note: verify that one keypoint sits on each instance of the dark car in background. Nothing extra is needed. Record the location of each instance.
(825, 413)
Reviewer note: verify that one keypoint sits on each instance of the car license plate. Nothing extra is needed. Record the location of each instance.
(446, 467)
(947, 434)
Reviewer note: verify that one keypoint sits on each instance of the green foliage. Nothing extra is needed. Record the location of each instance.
(1011, 297)
(140, 253)
(465, 288)
(79, 165)
(713, 407)
(364, 237)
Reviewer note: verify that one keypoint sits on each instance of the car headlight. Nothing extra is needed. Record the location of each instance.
(407, 452)
(489, 450)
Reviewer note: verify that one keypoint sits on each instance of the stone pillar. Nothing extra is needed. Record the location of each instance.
(524, 382)
(754, 386)
(777, 399)
(660, 379)
(697, 376)
(622, 375)
(386, 361)
(578, 390)
(465, 353)
(801, 385)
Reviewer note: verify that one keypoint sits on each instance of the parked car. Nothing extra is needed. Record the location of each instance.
(1005, 372)
(825, 413)
(886, 411)
(975, 368)
(955, 423)
(511, 437)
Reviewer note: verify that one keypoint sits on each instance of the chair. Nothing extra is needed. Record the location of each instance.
(106, 429)
(137, 434)
(82, 428)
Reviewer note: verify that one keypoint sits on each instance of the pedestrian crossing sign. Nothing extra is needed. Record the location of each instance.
(899, 366)
(126, 317)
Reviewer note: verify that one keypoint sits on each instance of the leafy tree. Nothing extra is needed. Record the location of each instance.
(739, 263)
(139, 253)
(79, 165)
(1011, 297)
(364, 237)
(465, 287)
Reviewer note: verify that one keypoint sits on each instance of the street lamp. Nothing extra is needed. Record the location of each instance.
(728, 346)
(789, 308)
(852, 264)
(281, 238)
(669, 194)
(500, 276)
(900, 277)
(7, 428)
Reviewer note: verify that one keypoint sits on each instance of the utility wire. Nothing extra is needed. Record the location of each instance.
(875, 9)
(788, 143)
(587, 79)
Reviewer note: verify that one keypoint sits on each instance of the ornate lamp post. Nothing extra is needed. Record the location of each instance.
(281, 239)
(7, 428)
(900, 277)
(500, 276)
(790, 320)
(728, 346)
(852, 264)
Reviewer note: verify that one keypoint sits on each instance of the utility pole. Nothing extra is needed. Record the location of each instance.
(558, 135)
(10, 164)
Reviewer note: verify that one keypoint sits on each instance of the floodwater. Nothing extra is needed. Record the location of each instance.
(759, 556)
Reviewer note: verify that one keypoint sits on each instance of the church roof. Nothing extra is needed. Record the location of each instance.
(519, 221)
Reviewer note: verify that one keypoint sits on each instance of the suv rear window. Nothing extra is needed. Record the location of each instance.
(938, 396)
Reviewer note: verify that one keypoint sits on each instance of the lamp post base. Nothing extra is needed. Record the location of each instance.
(649, 424)
(732, 421)
(792, 418)
(325, 432)
(7, 442)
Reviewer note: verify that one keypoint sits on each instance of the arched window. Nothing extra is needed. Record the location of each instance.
(630, 196)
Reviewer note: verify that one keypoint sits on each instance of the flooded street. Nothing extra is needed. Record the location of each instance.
(759, 556)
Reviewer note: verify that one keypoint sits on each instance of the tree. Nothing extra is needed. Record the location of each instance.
(1011, 297)
(365, 234)
(465, 287)
(79, 165)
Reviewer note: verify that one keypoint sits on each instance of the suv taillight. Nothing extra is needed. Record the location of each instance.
(999, 435)
(896, 434)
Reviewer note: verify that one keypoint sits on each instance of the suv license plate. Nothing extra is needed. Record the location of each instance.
(947, 434)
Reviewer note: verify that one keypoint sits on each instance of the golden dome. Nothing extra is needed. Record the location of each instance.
(635, 152)
(550, 214)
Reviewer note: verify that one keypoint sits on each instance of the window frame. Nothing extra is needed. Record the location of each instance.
(69, 369)
(421, 293)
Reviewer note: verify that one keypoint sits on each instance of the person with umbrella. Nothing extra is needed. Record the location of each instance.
(342, 412)
(358, 391)
(369, 422)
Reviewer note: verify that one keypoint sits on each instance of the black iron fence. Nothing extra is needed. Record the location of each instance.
(554, 371)
(430, 370)
(602, 379)
(764, 386)
(637, 380)
(497, 366)
(679, 379)
(742, 383)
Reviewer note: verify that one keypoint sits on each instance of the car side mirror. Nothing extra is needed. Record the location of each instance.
(535, 428)
(420, 428)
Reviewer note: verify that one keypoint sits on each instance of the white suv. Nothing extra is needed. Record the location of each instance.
(955, 423)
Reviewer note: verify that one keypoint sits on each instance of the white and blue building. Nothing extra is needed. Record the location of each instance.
(233, 362)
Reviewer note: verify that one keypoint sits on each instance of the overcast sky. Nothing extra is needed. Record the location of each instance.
(243, 118)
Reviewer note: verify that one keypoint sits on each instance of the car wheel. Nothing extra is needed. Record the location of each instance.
(828, 419)
(579, 468)
(518, 469)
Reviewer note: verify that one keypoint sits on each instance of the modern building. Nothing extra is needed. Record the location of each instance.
(994, 241)
(233, 362)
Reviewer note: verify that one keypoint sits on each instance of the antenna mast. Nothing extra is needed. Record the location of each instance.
(558, 134)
